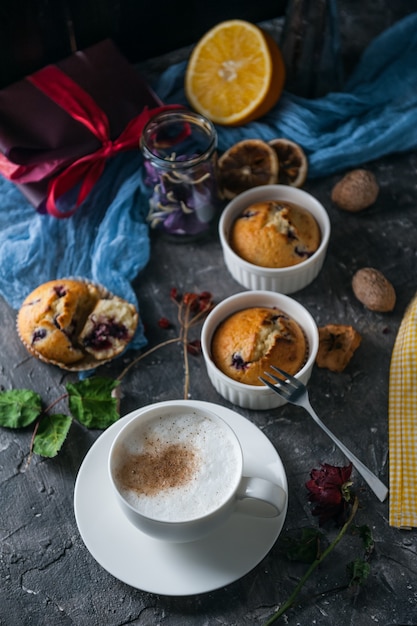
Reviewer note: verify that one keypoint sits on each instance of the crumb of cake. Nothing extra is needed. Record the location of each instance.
(337, 345)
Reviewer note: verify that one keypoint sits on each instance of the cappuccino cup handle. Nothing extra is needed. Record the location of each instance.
(268, 499)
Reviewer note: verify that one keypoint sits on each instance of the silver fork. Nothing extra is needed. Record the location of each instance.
(295, 392)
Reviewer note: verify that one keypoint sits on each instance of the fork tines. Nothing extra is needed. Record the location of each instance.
(291, 378)
(285, 388)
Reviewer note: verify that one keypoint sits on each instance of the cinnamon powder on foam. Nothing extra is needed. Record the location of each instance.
(160, 467)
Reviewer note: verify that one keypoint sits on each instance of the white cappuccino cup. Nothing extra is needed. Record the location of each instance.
(177, 473)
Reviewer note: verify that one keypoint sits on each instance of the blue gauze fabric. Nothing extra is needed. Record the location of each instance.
(107, 240)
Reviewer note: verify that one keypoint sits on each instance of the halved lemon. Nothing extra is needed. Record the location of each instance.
(293, 164)
(235, 73)
(248, 163)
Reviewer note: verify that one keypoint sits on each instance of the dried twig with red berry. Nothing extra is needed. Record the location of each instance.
(192, 308)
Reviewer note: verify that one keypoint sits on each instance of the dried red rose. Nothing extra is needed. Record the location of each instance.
(329, 490)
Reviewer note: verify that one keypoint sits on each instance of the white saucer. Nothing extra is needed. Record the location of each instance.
(154, 566)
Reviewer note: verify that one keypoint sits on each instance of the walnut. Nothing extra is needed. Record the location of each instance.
(356, 191)
(374, 290)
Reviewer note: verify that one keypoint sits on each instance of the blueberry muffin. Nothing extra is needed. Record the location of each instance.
(71, 322)
(108, 328)
(275, 234)
(248, 342)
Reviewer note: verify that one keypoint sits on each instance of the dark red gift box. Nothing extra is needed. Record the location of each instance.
(59, 125)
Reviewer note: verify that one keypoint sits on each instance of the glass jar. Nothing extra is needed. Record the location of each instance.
(180, 155)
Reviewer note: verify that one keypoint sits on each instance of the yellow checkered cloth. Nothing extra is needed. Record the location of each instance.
(402, 420)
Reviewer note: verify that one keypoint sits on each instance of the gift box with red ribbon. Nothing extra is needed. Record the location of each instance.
(60, 125)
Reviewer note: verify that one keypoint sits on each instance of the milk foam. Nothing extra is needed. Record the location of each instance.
(213, 471)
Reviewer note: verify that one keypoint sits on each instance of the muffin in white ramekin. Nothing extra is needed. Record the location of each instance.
(253, 396)
(281, 279)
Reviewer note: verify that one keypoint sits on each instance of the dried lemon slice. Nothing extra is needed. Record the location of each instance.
(235, 73)
(248, 163)
(293, 164)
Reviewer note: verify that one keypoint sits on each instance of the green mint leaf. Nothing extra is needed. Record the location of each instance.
(358, 571)
(306, 548)
(19, 407)
(91, 402)
(365, 534)
(51, 434)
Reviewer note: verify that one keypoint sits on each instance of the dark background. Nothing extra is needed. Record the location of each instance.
(35, 32)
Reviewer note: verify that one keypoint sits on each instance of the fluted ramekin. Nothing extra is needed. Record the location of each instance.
(252, 396)
(282, 279)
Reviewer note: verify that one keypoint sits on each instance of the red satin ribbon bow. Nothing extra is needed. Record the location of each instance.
(60, 88)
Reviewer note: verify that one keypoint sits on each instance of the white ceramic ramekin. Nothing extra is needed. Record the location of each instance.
(252, 396)
(283, 279)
